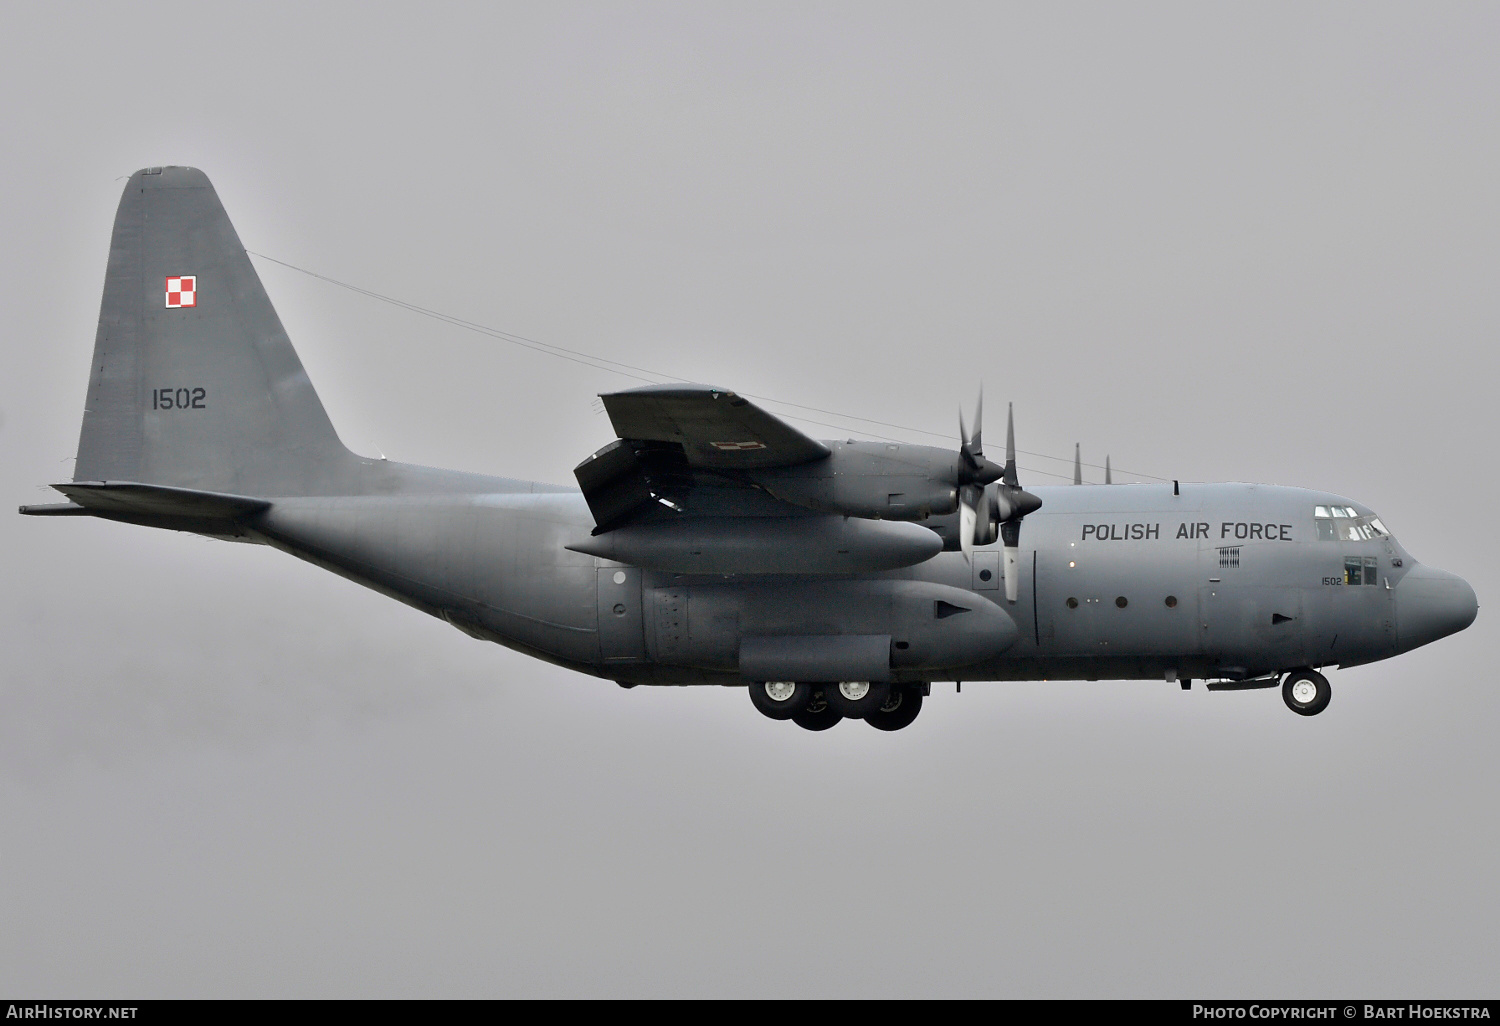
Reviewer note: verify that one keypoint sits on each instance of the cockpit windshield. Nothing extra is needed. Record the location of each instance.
(1342, 523)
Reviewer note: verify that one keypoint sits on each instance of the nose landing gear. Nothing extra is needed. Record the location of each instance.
(1306, 692)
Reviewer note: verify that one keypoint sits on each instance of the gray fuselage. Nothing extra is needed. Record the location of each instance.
(1117, 582)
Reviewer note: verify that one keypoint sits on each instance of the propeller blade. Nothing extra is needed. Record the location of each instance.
(1010, 534)
(973, 468)
(1077, 465)
(978, 420)
(1012, 503)
(987, 523)
(967, 515)
(1108, 478)
(1010, 447)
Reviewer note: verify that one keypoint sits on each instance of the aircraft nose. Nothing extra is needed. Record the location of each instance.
(1432, 604)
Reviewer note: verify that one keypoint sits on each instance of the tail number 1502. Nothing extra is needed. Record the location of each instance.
(179, 398)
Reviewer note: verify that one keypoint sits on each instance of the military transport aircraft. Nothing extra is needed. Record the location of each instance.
(713, 543)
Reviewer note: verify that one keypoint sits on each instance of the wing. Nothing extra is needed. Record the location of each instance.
(717, 430)
(678, 448)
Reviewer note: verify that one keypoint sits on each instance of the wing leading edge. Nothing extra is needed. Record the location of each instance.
(717, 429)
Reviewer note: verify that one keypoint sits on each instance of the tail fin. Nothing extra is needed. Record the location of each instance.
(194, 382)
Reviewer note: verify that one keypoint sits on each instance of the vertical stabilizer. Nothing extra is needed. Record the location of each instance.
(194, 383)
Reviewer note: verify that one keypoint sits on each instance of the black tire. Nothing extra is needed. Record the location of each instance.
(1301, 699)
(783, 709)
(856, 708)
(900, 709)
(818, 714)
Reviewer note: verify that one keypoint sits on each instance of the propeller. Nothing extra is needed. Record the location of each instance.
(1007, 504)
(1012, 503)
(974, 473)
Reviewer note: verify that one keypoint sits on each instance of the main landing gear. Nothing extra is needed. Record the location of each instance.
(820, 705)
(1306, 692)
(819, 713)
(898, 710)
(780, 699)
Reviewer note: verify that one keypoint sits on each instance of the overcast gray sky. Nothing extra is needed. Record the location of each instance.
(1247, 242)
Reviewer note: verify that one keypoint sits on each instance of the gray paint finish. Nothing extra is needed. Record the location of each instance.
(1219, 580)
(1244, 242)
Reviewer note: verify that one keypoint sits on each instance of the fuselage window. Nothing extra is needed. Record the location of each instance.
(1360, 570)
(1342, 523)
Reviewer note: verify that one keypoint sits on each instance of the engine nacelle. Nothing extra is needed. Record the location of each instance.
(765, 545)
(986, 524)
(871, 480)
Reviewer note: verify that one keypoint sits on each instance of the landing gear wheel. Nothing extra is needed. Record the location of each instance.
(900, 709)
(1306, 692)
(818, 715)
(856, 699)
(780, 699)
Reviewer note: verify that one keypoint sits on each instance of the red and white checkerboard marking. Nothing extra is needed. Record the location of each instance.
(182, 291)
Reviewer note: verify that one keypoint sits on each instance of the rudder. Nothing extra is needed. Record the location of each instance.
(194, 382)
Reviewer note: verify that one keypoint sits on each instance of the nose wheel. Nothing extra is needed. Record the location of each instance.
(1306, 692)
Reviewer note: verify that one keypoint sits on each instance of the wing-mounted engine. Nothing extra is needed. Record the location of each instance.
(992, 502)
(872, 480)
(702, 480)
(765, 545)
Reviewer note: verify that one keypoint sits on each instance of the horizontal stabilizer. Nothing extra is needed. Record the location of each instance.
(127, 497)
(56, 509)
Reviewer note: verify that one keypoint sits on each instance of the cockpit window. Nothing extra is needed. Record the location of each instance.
(1342, 523)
